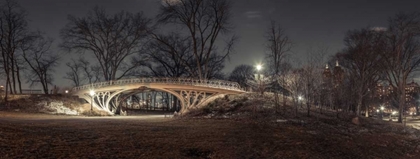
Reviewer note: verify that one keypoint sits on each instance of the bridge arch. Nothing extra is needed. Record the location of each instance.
(191, 93)
(158, 89)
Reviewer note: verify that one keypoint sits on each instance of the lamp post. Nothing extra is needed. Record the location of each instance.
(92, 93)
(300, 101)
(382, 111)
(259, 67)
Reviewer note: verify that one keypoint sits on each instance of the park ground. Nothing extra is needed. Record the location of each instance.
(25, 135)
(230, 127)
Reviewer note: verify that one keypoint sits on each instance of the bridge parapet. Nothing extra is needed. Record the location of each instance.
(166, 80)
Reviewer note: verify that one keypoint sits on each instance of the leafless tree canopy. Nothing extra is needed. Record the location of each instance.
(13, 30)
(242, 74)
(169, 56)
(205, 21)
(40, 60)
(402, 57)
(74, 73)
(81, 72)
(110, 38)
(279, 45)
(362, 59)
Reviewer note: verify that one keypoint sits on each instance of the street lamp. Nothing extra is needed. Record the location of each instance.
(382, 111)
(259, 67)
(300, 98)
(92, 93)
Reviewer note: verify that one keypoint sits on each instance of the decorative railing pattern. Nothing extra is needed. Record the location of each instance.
(166, 80)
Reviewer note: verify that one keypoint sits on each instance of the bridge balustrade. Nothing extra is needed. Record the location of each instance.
(165, 80)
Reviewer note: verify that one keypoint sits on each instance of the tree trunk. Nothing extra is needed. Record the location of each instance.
(359, 105)
(9, 84)
(6, 70)
(7, 90)
(18, 79)
(402, 100)
(309, 109)
(320, 104)
(296, 106)
(13, 74)
(367, 111)
(276, 101)
(284, 97)
(44, 87)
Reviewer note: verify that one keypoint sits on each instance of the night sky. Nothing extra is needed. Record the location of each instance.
(309, 23)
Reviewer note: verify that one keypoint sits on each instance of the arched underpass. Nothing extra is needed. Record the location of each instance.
(148, 102)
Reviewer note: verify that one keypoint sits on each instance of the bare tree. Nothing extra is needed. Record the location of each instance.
(110, 38)
(294, 84)
(260, 82)
(312, 75)
(205, 21)
(242, 74)
(13, 30)
(402, 57)
(362, 60)
(90, 73)
(75, 72)
(279, 45)
(40, 60)
(81, 72)
(166, 56)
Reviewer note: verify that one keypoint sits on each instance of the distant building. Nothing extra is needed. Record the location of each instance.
(334, 78)
(338, 75)
(384, 94)
(411, 91)
(331, 82)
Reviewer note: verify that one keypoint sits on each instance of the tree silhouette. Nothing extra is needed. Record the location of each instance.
(242, 74)
(205, 21)
(110, 38)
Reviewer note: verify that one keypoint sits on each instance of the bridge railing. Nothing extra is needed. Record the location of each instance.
(166, 80)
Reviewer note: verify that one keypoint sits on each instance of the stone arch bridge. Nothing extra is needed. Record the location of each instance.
(192, 93)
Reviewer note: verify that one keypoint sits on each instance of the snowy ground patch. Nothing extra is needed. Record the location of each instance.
(55, 108)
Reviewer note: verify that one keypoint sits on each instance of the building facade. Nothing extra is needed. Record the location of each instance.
(384, 94)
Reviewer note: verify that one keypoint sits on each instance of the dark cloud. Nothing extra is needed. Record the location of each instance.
(253, 14)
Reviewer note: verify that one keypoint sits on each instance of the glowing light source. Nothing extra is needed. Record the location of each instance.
(259, 67)
(92, 92)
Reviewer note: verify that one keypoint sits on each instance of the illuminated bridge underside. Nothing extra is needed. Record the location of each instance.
(191, 93)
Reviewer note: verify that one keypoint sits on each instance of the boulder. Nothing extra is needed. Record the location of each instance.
(355, 121)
